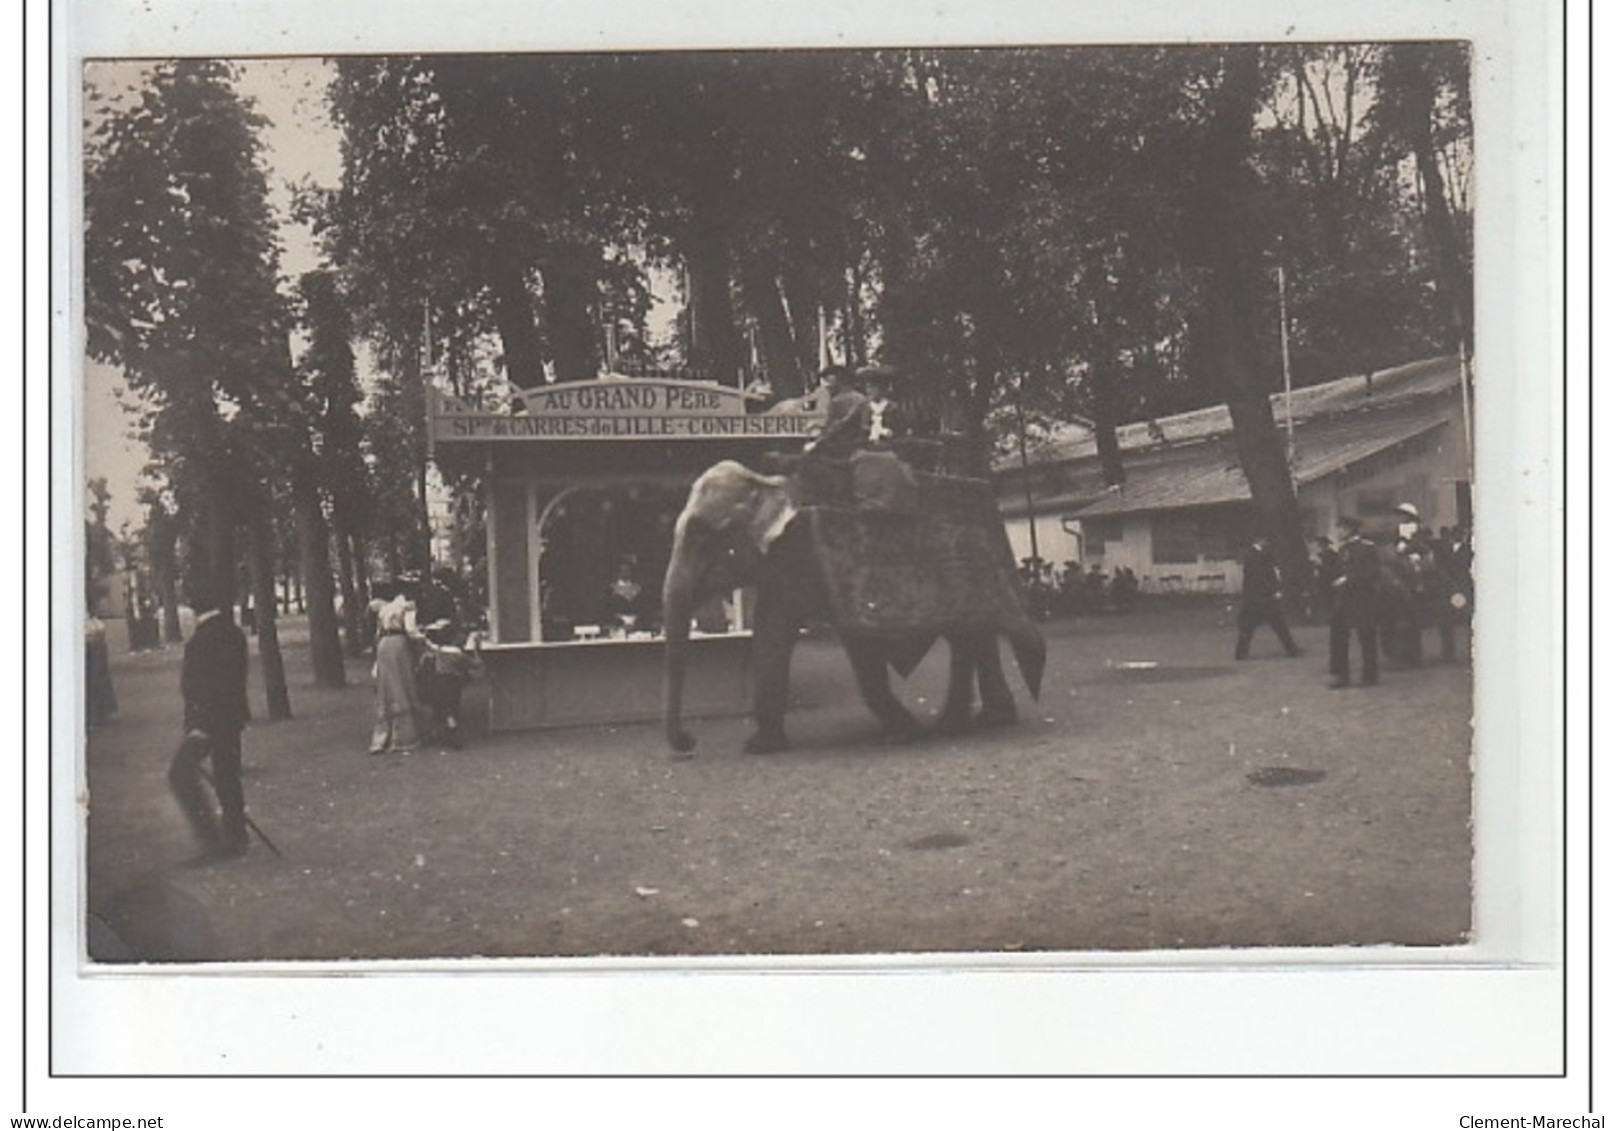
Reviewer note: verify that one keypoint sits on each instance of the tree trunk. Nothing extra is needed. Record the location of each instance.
(1224, 222)
(161, 534)
(856, 338)
(421, 558)
(352, 603)
(417, 549)
(762, 295)
(1457, 280)
(971, 404)
(217, 569)
(314, 555)
(804, 315)
(518, 328)
(361, 569)
(263, 603)
(570, 300)
(1102, 377)
(168, 597)
(714, 352)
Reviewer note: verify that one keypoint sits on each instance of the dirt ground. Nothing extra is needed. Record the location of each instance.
(1195, 803)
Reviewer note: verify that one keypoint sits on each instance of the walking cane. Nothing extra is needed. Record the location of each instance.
(251, 824)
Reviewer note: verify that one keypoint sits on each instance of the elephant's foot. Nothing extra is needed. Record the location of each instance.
(952, 722)
(997, 715)
(767, 742)
(898, 730)
(681, 746)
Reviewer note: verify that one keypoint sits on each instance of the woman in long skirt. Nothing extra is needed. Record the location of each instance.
(397, 701)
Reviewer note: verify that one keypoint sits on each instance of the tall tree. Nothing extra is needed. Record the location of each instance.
(460, 193)
(1361, 294)
(1222, 234)
(1424, 101)
(330, 376)
(181, 293)
(395, 455)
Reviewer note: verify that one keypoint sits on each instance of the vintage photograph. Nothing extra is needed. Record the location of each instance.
(774, 503)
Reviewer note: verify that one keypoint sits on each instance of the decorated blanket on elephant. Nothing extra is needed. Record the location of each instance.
(879, 481)
(904, 573)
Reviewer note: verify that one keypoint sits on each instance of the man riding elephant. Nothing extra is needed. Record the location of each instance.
(847, 418)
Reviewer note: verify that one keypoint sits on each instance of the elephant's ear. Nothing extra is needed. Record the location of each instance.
(775, 510)
(738, 504)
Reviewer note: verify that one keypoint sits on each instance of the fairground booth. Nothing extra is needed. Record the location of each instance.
(584, 482)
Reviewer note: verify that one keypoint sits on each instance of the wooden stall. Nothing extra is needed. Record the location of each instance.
(583, 484)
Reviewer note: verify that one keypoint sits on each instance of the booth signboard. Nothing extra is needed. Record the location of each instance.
(582, 483)
(624, 408)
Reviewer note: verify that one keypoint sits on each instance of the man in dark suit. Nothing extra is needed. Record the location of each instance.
(1261, 601)
(213, 684)
(1356, 607)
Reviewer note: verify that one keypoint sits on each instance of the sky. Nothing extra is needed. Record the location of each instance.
(299, 143)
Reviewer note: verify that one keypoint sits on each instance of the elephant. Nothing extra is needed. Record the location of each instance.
(741, 527)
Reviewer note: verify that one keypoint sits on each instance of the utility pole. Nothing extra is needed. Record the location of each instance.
(1284, 353)
(1026, 471)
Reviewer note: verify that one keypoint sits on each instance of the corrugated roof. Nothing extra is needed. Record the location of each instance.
(1207, 473)
(1384, 388)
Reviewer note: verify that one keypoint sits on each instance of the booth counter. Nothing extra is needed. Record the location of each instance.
(577, 683)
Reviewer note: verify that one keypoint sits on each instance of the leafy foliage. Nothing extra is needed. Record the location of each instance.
(1029, 234)
(181, 292)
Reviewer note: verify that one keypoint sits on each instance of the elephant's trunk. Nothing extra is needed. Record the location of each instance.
(1031, 653)
(678, 601)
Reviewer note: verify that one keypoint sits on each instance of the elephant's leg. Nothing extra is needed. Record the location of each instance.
(997, 701)
(774, 632)
(869, 668)
(955, 715)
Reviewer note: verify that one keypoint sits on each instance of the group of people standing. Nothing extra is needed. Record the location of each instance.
(1383, 594)
(421, 666)
(1387, 593)
(1075, 592)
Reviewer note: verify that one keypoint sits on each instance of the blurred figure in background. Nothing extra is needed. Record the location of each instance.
(100, 703)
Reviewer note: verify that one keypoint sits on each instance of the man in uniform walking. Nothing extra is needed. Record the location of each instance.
(213, 684)
(1355, 611)
(1261, 601)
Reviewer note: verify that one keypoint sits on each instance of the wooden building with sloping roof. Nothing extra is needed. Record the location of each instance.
(1180, 519)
